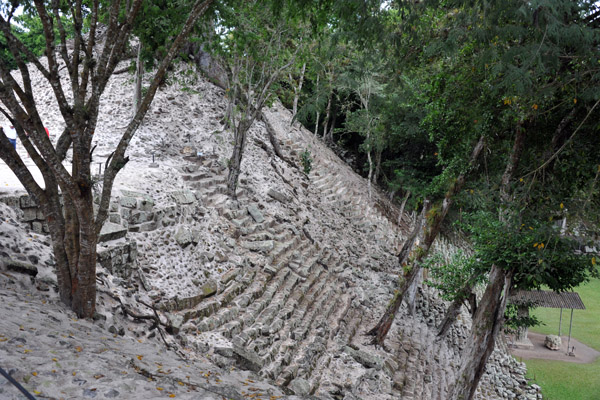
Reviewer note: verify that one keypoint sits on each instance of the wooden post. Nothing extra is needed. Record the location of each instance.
(570, 326)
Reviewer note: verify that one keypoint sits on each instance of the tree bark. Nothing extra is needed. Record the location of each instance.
(235, 162)
(487, 323)
(297, 91)
(454, 309)
(434, 225)
(139, 75)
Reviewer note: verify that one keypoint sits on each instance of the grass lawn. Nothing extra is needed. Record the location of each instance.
(568, 381)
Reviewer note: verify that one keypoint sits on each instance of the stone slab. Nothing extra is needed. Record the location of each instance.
(255, 213)
(111, 231)
(183, 197)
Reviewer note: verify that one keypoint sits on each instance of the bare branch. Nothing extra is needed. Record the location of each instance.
(565, 144)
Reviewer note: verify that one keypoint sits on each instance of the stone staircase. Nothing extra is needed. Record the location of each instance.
(294, 311)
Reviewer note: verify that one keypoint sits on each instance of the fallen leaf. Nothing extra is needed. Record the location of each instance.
(98, 376)
(159, 388)
(79, 349)
(34, 373)
(139, 357)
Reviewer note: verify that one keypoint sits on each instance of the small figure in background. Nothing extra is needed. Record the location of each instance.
(11, 134)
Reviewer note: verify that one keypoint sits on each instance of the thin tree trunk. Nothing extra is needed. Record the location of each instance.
(433, 228)
(377, 166)
(329, 134)
(370, 177)
(318, 113)
(403, 206)
(297, 91)
(139, 75)
(236, 158)
(327, 114)
(454, 309)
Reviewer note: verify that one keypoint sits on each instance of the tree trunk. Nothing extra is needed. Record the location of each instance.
(403, 206)
(380, 331)
(328, 135)
(235, 162)
(370, 177)
(489, 316)
(327, 114)
(297, 91)
(318, 113)
(454, 309)
(139, 75)
(377, 166)
(434, 226)
(488, 320)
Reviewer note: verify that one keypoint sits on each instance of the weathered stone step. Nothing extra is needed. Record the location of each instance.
(281, 250)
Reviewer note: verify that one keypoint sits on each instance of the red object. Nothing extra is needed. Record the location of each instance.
(47, 131)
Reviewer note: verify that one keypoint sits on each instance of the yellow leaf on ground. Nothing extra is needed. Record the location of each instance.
(159, 388)
(79, 349)
(139, 357)
(171, 395)
(34, 373)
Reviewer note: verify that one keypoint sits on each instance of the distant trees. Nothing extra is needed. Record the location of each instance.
(74, 227)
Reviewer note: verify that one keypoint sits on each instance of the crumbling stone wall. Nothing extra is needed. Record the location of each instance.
(32, 215)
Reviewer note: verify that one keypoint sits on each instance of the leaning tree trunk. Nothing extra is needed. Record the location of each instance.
(454, 310)
(235, 161)
(432, 230)
(487, 323)
(489, 316)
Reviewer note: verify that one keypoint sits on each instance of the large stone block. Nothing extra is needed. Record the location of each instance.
(11, 201)
(259, 246)
(111, 231)
(37, 227)
(553, 342)
(145, 204)
(183, 197)
(301, 387)
(282, 198)
(129, 202)
(18, 266)
(29, 214)
(255, 213)
(27, 201)
(183, 237)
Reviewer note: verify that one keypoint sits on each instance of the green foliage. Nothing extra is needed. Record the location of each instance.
(306, 161)
(28, 28)
(450, 276)
(513, 321)
(535, 250)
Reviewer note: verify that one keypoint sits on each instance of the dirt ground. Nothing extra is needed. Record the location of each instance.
(583, 354)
